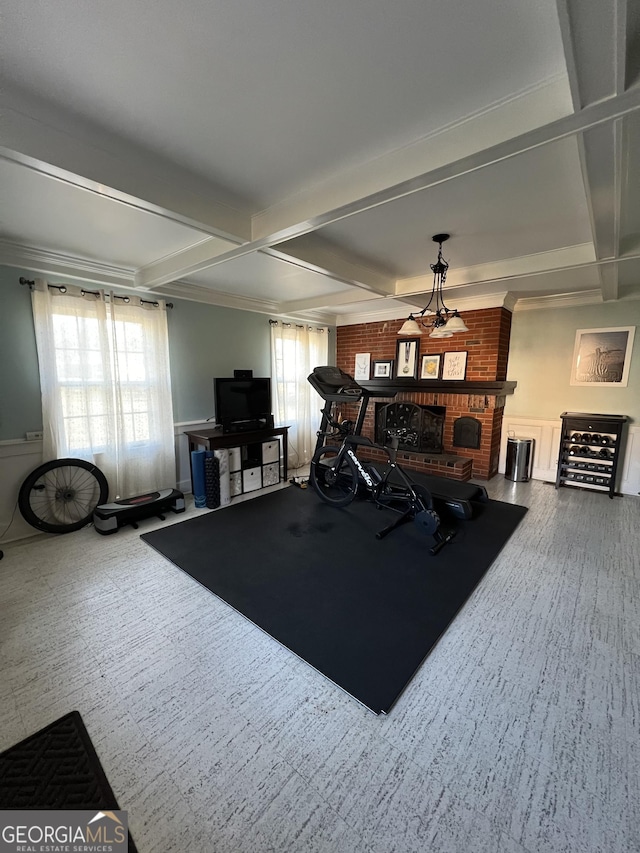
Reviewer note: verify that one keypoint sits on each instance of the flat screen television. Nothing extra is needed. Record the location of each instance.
(243, 403)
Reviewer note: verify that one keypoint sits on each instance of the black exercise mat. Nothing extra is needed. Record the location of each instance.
(364, 612)
(56, 768)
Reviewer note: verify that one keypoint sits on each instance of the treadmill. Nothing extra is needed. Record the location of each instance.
(460, 499)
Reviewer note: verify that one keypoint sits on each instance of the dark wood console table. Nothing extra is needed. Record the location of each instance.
(215, 439)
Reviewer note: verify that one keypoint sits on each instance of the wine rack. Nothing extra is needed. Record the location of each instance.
(590, 448)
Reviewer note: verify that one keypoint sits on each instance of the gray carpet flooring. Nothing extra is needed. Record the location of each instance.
(519, 734)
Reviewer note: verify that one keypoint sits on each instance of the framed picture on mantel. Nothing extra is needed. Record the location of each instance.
(362, 366)
(407, 351)
(454, 365)
(383, 369)
(430, 367)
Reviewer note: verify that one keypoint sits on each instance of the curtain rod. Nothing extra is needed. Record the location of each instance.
(299, 326)
(63, 289)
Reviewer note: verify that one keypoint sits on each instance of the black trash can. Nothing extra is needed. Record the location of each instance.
(519, 462)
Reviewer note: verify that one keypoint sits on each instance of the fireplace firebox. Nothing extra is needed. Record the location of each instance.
(417, 428)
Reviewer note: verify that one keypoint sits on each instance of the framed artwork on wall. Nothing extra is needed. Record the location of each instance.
(430, 367)
(383, 369)
(362, 366)
(602, 356)
(454, 365)
(407, 351)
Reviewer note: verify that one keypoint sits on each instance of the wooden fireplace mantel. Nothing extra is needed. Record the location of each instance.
(383, 387)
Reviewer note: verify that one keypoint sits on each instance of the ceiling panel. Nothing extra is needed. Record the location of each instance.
(266, 97)
(525, 205)
(40, 211)
(260, 276)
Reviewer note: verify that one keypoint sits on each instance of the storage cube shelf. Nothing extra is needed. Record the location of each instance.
(257, 459)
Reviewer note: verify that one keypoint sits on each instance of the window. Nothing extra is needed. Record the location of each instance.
(106, 388)
(295, 351)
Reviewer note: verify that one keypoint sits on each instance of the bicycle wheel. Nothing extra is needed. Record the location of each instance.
(60, 496)
(335, 484)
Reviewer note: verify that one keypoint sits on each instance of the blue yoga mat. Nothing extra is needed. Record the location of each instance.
(198, 478)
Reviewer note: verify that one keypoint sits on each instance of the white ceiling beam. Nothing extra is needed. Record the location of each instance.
(569, 53)
(181, 264)
(609, 282)
(599, 149)
(621, 46)
(593, 116)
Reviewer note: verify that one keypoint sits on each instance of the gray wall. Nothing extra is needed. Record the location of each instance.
(20, 405)
(541, 355)
(204, 342)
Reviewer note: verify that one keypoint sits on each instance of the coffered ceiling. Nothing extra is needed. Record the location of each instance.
(295, 158)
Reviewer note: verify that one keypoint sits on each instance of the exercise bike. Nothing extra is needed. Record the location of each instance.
(337, 475)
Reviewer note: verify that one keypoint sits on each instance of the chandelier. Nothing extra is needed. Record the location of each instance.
(444, 321)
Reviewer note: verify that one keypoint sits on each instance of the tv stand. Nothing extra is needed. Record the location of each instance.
(250, 469)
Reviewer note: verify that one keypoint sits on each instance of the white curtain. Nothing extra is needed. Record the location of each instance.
(295, 351)
(106, 385)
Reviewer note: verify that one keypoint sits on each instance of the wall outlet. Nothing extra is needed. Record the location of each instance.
(34, 436)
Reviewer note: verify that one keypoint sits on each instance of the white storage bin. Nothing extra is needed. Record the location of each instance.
(235, 458)
(270, 452)
(251, 479)
(235, 484)
(271, 474)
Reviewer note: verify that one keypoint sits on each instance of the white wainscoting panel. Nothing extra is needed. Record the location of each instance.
(18, 458)
(546, 435)
(630, 464)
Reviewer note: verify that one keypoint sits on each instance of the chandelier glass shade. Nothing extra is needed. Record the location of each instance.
(444, 322)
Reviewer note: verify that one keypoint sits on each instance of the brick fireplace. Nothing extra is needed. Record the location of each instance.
(481, 395)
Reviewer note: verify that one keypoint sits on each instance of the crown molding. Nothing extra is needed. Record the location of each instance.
(48, 262)
(196, 293)
(560, 300)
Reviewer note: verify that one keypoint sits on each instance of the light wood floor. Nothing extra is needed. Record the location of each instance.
(520, 732)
